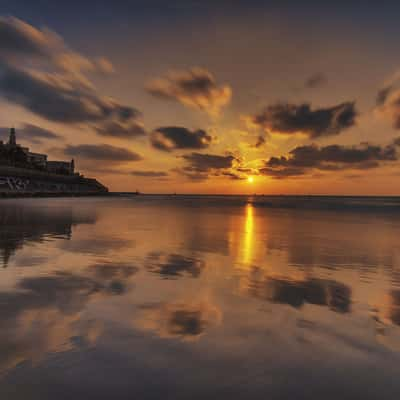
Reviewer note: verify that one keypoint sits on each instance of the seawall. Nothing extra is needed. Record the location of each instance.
(21, 182)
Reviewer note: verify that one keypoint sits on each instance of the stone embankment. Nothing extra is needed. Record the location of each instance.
(21, 182)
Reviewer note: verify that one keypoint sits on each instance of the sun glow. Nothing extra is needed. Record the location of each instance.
(250, 179)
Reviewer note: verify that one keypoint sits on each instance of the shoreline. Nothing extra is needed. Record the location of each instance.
(5, 195)
(8, 195)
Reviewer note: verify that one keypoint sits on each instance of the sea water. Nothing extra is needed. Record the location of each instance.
(200, 297)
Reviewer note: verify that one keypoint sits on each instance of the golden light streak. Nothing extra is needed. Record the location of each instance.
(248, 235)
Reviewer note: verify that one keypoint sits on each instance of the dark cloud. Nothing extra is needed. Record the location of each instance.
(149, 174)
(175, 137)
(383, 94)
(260, 142)
(388, 104)
(205, 162)
(56, 86)
(200, 166)
(101, 152)
(195, 88)
(18, 37)
(302, 159)
(388, 99)
(174, 265)
(281, 173)
(316, 80)
(47, 98)
(233, 175)
(123, 131)
(292, 119)
(246, 170)
(30, 131)
(60, 100)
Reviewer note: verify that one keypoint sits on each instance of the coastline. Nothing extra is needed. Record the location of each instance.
(16, 195)
(27, 195)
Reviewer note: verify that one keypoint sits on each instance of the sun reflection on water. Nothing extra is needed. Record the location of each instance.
(248, 241)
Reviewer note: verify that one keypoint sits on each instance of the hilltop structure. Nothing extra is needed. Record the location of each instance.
(11, 153)
(25, 173)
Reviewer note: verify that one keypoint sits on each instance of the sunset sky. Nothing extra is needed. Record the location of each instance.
(230, 97)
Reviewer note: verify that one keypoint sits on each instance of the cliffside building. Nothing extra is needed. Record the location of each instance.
(13, 152)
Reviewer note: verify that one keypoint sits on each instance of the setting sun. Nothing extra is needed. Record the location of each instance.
(250, 179)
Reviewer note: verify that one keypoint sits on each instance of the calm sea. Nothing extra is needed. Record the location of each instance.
(200, 297)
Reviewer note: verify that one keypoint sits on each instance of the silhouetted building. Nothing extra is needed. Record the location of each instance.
(60, 167)
(12, 140)
(13, 153)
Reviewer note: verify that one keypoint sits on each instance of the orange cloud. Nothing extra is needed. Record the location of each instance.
(195, 88)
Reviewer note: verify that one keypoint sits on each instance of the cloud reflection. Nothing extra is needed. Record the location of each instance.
(186, 321)
(43, 313)
(174, 265)
(394, 307)
(23, 223)
(334, 295)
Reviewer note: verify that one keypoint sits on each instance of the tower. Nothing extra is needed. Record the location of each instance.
(12, 141)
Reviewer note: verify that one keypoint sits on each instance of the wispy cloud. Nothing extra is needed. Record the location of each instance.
(315, 81)
(102, 152)
(194, 88)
